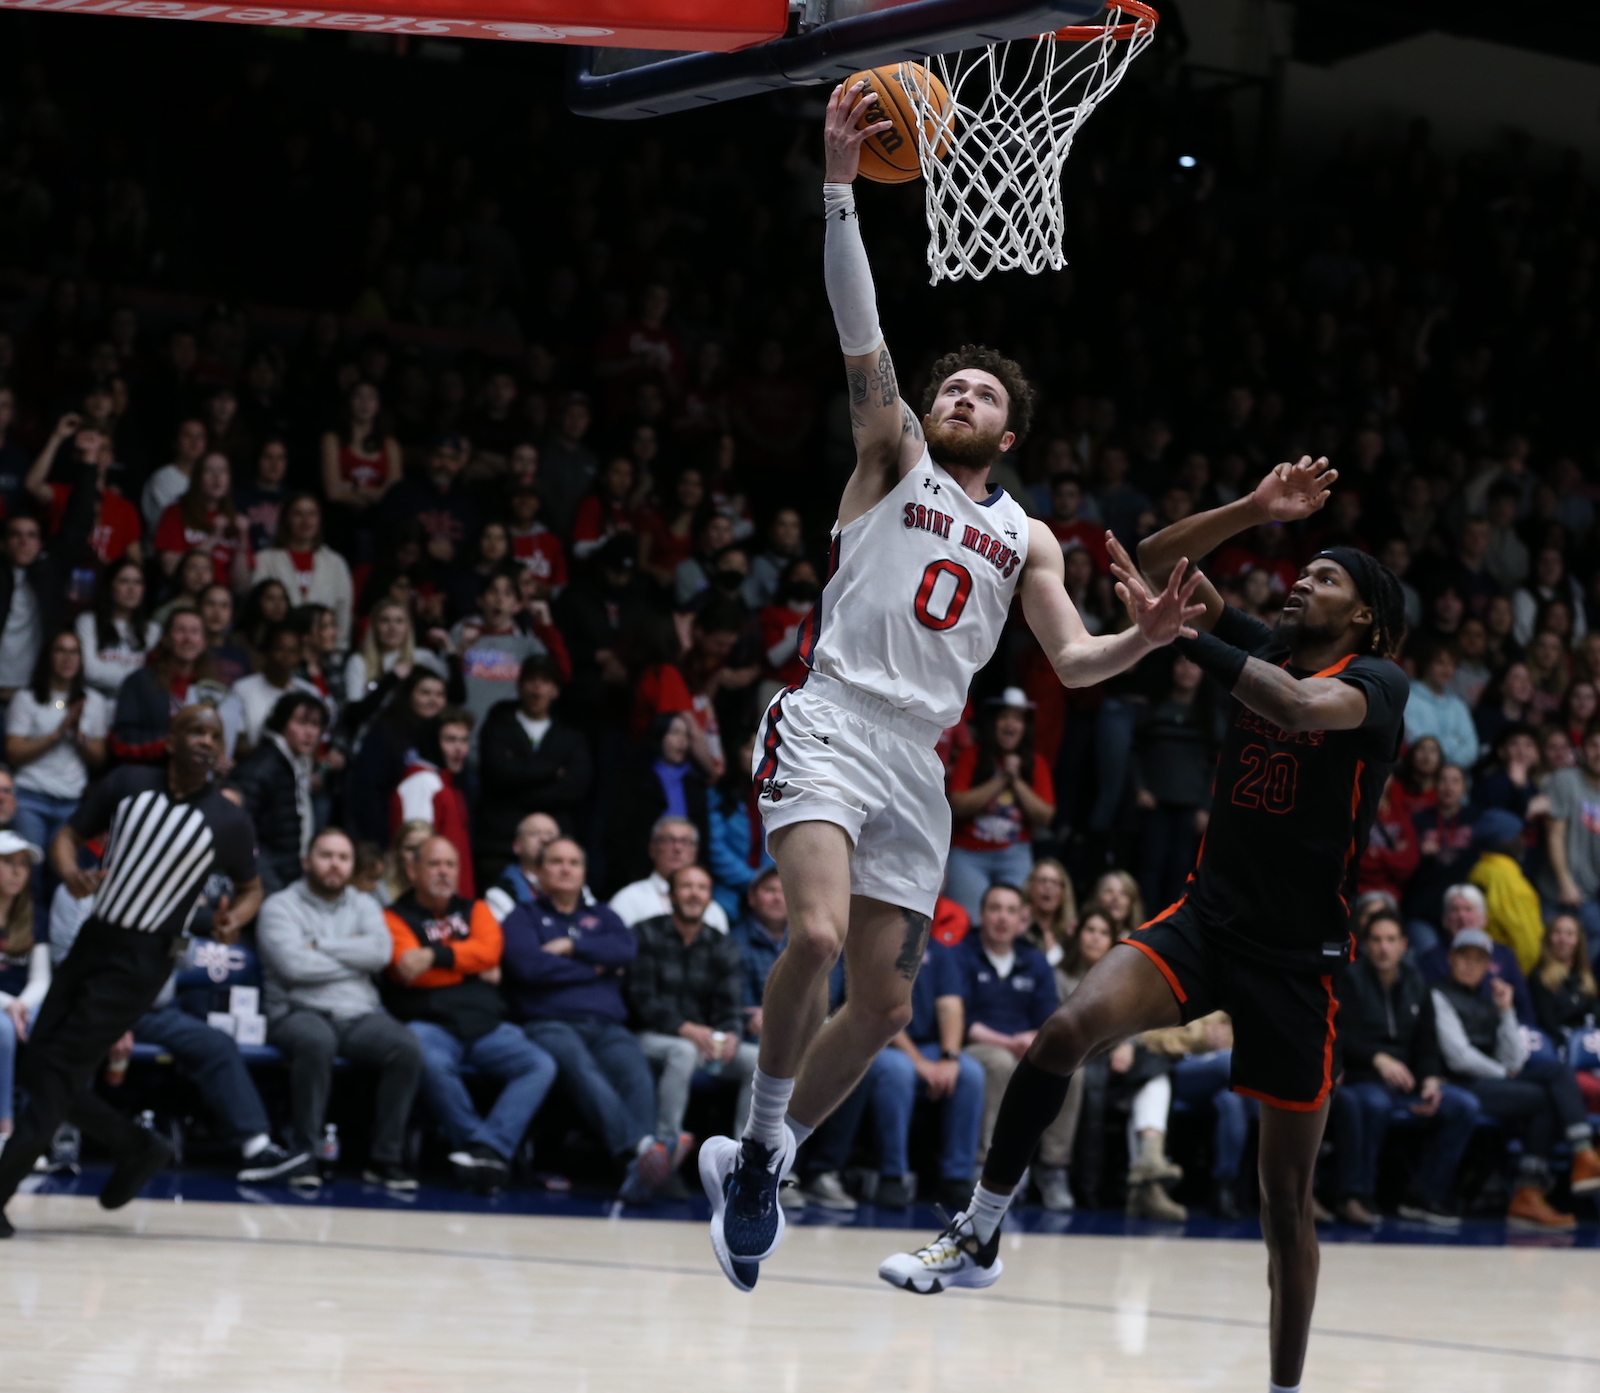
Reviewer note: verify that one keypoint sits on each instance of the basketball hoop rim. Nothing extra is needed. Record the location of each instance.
(1145, 19)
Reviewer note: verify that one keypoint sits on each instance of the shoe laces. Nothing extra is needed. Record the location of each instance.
(748, 1182)
(950, 1245)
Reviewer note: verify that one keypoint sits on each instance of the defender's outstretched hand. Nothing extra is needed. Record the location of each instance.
(841, 141)
(1294, 491)
(1160, 617)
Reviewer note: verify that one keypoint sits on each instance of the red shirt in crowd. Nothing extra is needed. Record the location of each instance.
(175, 536)
(118, 527)
(1088, 535)
(1001, 823)
(779, 626)
(539, 549)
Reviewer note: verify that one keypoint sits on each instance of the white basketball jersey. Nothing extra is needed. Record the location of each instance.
(918, 591)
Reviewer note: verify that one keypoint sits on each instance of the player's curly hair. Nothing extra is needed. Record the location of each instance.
(1019, 391)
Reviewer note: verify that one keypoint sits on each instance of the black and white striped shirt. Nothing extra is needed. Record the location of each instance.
(161, 849)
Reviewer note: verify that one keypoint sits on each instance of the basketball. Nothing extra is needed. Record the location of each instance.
(891, 157)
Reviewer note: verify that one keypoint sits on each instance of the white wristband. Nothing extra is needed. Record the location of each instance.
(847, 275)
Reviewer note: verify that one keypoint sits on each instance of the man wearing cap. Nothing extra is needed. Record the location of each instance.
(1000, 794)
(1265, 927)
(1485, 1050)
(1466, 908)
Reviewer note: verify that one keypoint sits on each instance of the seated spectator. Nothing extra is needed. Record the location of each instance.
(361, 460)
(1444, 841)
(429, 790)
(205, 519)
(534, 546)
(768, 567)
(1391, 855)
(1485, 1051)
(261, 691)
(265, 606)
(1175, 743)
(693, 574)
(1391, 1058)
(229, 659)
(1513, 904)
(1466, 908)
(1562, 984)
(1000, 794)
(1202, 1065)
(177, 675)
(261, 501)
(387, 647)
(1506, 702)
(492, 649)
(738, 843)
(189, 582)
(442, 982)
(1116, 895)
(321, 943)
(400, 862)
(685, 995)
(926, 1060)
(528, 762)
(310, 570)
(674, 843)
(1050, 910)
(518, 883)
(761, 933)
(24, 963)
(564, 963)
(1434, 710)
(274, 780)
(380, 761)
(55, 740)
(1509, 783)
(209, 1057)
(118, 634)
(1009, 991)
(1572, 837)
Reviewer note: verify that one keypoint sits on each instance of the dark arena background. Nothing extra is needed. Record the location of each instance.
(565, 397)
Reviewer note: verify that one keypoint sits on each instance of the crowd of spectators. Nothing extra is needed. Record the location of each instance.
(493, 539)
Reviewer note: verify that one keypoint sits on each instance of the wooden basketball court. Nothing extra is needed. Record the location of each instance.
(256, 1298)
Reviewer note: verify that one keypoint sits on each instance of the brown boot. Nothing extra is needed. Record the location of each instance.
(1585, 1171)
(1152, 1163)
(1353, 1211)
(1150, 1201)
(1531, 1210)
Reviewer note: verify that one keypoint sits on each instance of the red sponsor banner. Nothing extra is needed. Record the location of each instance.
(692, 25)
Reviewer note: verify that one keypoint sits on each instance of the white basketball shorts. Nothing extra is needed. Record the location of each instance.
(830, 752)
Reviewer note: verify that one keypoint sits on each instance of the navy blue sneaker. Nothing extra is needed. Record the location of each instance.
(741, 1180)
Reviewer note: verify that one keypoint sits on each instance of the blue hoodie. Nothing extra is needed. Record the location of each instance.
(588, 983)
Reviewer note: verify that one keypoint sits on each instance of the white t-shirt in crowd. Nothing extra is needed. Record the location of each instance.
(60, 771)
(257, 697)
(357, 678)
(534, 730)
(19, 640)
(647, 899)
(164, 488)
(105, 669)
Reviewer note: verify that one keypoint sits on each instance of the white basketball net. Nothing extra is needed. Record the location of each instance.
(992, 157)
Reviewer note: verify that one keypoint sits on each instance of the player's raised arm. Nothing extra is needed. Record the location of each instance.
(1081, 659)
(888, 436)
(1288, 493)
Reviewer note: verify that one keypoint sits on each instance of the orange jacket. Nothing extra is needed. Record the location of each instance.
(465, 939)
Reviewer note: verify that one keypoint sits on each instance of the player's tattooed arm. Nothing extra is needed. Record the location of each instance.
(856, 379)
(1300, 703)
(914, 944)
(881, 380)
(910, 426)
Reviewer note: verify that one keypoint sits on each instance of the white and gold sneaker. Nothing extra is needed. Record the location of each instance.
(954, 1259)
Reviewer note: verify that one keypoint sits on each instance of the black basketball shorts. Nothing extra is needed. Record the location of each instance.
(1285, 1045)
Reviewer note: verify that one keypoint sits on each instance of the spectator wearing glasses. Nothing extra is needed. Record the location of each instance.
(674, 843)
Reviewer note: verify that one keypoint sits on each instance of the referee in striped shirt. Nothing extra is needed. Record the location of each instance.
(170, 828)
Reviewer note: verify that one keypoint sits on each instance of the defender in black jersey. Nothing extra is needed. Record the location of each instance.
(1263, 930)
(167, 830)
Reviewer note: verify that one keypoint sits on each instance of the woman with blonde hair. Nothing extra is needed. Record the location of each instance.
(24, 963)
(396, 878)
(1051, 907)
(1116, 895)
(389, 646)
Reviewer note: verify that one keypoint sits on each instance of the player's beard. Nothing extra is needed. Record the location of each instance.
(965, 449)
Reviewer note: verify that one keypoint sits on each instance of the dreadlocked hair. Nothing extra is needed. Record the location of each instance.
(1019, 391)
(1388, 615)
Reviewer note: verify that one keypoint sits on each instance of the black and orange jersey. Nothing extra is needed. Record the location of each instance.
(1291, 812)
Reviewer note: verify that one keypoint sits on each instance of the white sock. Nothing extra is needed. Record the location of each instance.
(800, 1130)
(255, 1146)
(986, 1211)
(1279, 1388)
(769, 1101)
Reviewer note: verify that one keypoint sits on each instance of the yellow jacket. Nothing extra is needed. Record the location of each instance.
(1514, 915)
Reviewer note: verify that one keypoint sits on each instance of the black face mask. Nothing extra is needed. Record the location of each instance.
(728, 581)
(804, 592)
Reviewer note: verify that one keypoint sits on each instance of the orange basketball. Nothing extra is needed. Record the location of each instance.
(890, 157)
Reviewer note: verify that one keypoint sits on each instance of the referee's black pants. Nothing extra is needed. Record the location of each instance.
(110, 978)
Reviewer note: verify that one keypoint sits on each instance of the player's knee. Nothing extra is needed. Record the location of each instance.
(816, 945)
(1061, 1044)
(1286, 1211)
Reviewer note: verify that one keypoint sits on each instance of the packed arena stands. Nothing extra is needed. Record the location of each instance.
(478, 463)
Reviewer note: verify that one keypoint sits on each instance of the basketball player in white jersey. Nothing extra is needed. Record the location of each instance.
(926, 558)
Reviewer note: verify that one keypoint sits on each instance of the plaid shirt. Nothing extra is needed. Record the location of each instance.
(670, 982)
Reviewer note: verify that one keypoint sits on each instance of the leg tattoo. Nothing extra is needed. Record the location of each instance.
(916, 941)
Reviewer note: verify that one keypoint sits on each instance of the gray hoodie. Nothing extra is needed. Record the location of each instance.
(320, 955)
